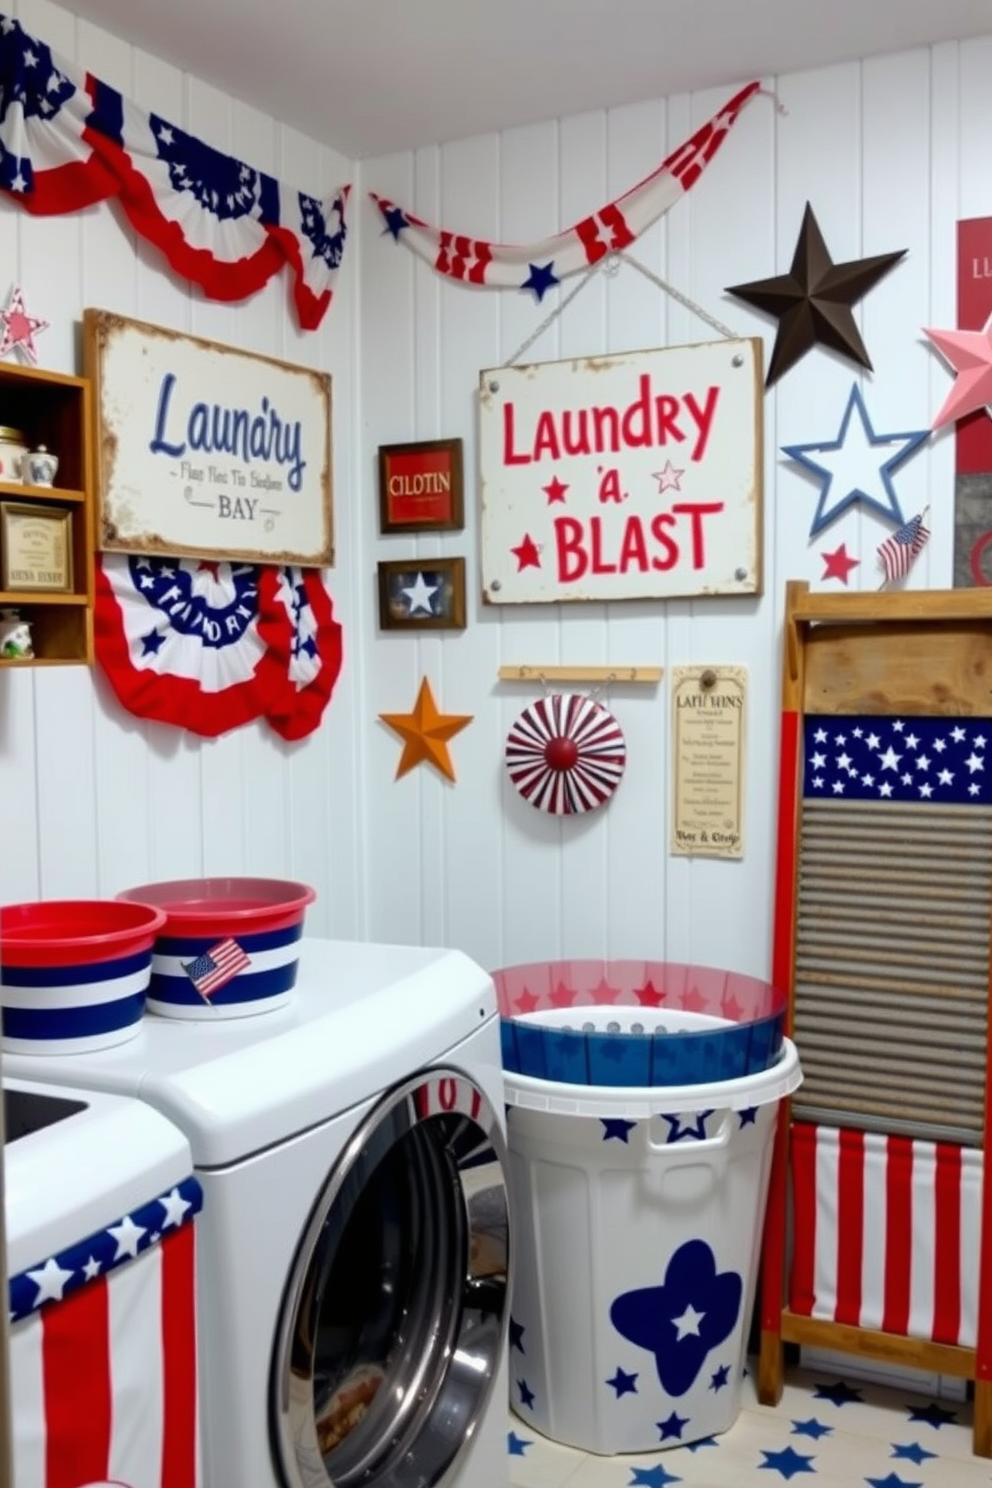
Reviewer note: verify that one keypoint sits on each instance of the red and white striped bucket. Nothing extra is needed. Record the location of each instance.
(74, 973)
(229, 947)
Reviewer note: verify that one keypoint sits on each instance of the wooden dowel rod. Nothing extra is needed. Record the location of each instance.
(580, 674)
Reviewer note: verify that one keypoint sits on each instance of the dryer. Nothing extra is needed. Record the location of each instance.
(352, 1261)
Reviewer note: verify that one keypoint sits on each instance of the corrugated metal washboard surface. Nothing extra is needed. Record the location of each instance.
(892, 966)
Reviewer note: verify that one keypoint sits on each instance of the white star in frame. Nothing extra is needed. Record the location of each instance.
(419, 594)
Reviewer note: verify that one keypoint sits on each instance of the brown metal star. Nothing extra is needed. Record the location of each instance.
(813, 302)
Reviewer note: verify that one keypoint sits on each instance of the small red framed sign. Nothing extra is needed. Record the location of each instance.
(420, 486)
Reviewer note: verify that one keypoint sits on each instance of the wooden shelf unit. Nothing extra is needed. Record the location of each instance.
(55, 409)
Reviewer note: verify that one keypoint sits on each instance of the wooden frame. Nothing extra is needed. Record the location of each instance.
(206, 451)
(421, 487)
(923, 652)
(438, 600)
(15, 513)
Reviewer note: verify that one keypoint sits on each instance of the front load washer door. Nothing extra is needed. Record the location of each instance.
(394, 1315)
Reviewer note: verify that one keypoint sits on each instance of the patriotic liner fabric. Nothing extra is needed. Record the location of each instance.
(886, 1233)
(103, 1355)
(210, 646)
(540, 266)
(68, 140)
(566, 754)
(941, 761)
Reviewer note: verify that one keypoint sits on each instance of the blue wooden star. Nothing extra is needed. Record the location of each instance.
(517, 1335)
(526, 1394)
(720, 1377)
(623, 1383)
(651, 1477)
(812, 1427)
(541, 278)
(396, 220)
(893, 1480)
(788, 1462)
(912, 1452)
(838, 1394)
(517, 1445)
(934, 1415)
(849, 469)
(673, 1427)
(616, 1128)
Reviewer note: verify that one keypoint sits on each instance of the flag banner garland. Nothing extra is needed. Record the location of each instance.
(566, 754)
(540, 266)
(103, 1354)
(210, 646)
(68, 140)
(886, 1233)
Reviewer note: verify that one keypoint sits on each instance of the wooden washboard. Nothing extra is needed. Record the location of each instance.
(868, 977)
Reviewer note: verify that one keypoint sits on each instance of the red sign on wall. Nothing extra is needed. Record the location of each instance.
(974, 433)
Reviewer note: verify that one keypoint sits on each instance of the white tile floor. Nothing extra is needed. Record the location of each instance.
(847, 1435)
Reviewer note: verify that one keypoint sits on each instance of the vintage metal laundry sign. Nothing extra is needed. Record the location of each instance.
(206, 451)
(623, 477)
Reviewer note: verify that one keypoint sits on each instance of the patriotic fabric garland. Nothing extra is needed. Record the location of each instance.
(68, 140)
(210, 646)
(540, 266)
(566, 754)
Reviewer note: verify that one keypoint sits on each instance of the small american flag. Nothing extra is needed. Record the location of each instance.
(216, 967)
(898, 552)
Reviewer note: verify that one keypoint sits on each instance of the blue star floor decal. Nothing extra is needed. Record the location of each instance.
(826, 1430)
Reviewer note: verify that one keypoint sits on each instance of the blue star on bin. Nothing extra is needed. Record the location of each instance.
(623, 1383)
(788, 1462)
(704, 1441)
(616, 1129)
(672, 1428)
(720, 1378)
(838, 1394)
(748, 1117)
(651, 1477)
(893, 1480)
(911, 1452)
(517, 1445)
(812, 1428)
(933, 1415)
(695, 1130)
(517, 1331)
(866, 479)
(541, 278)
(526, 1394)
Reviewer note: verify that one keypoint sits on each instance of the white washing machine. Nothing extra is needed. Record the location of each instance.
(352, 1250)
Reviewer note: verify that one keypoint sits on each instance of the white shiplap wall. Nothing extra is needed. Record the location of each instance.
(890, 152)
(92, 799)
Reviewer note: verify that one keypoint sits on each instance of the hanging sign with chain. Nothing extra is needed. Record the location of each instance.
(634, 476)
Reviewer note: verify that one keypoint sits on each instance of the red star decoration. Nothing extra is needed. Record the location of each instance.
(526, 1002)
(732, 1009)
(19, 327)
(604, 993)
(527, 553)
(210, 567)
(838, 564)
(648, 995)
(693, 1001)
(562, 996)
(555, 490)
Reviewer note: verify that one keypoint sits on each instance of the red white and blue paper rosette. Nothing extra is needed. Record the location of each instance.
(566, 754)
(209, 646)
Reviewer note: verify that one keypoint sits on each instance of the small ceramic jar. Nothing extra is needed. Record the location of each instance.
(13, 449)
(15, 637)
(39, 467)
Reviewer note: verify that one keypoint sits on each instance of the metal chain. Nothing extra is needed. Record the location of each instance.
(677, 294)
(549, 320)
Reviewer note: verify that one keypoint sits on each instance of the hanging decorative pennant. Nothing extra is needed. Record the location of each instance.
(313, 661)
(68, 140)
(181, 641)
(566, 754)
(540, 266)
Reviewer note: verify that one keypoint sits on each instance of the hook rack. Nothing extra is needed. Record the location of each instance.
(616, 674)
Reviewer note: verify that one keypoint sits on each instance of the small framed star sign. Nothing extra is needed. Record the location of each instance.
(422, 595)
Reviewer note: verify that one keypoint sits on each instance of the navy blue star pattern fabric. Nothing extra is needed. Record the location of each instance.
(932, 760)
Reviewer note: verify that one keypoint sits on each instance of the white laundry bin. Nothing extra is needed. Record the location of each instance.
(637, 1216)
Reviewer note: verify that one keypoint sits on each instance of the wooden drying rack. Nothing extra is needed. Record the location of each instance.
(618, 674)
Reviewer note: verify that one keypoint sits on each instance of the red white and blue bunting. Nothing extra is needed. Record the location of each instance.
(209, 646)
(541, 266)
(68, 140)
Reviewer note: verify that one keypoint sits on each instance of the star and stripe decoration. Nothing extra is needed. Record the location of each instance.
(566, 754)
(211, 646)
(68, 141)
(541, 266)
(923, 760)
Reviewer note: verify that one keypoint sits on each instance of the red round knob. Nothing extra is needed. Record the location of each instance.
(561, 754)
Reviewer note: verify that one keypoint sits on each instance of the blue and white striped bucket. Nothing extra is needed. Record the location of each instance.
(264, 984)
(74, 974)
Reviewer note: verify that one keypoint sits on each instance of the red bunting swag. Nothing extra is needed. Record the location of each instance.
(67, 140)
(540, 266)
(210, 646)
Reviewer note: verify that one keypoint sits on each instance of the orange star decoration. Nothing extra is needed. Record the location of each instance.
(425, 733)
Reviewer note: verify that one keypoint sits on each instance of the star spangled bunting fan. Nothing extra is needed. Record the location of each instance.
(539, 266)
(67, 140)
(566, 754)
(313, 662)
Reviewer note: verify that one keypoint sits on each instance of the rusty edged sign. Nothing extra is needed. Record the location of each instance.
(635, 476)
(206, 451)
